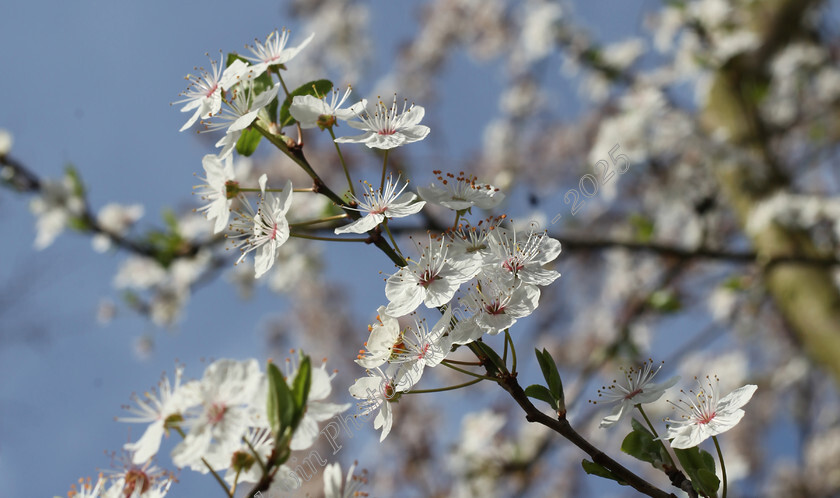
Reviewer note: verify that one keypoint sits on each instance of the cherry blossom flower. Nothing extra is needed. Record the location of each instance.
(311, 111)
(6, 142)
(522, 260)
(422, 347)
(58, 203)
(219, 191)
(384, 341)
(381, 204)
(377, 391)
(274, 51)
(163, 409)
(225, 394)
(116, 219)
(495, 307)
(131, 480)
(239, 461)
(704, 414)
(336, 487)
(267, 229)
(86, 490)
(637, 389)
(461, 192)
(205, 91)
(472, 242)
(432, 280)
(239, 113)
(385, 129)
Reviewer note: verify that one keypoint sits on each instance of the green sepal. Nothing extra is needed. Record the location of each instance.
(248, 141)
(317, 88)
(541, 393)
(700, 467)
(300, 389)
(599, 470)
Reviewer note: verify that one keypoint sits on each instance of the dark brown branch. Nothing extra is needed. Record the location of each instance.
(561, 426)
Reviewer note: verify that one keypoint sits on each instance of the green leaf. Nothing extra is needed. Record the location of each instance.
(248, 142)
(317, 88)
(595, 469)
(700, 467)
(300, 389)
(280, 407)
(708, 481)
(552, 377)
(541, 393)
(641, 445)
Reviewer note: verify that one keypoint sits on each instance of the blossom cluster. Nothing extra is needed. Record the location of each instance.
(493, 273)
(223, 424)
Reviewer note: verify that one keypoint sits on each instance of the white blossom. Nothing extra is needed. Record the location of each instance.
(274, 51)
(219, 190)
(703, 414)
(266, 230)
(461, 192)
(635, 388)
(381, 204)
(432, 280)
(205, 91)
(311, 111)
(385, 128)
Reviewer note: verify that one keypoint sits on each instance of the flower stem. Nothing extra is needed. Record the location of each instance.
(512, 351)
(388, 231)
(441, 389)
(343, 164)
(650, 426)
(453, 367)
(470, 363)
(286, 91)
(384, 169)
(319, 220)
(249, 189)
(457, 218)
(328, 239)
(256, 455)
(218, 478)
(296, 155)
(235, 482)
(722, 465)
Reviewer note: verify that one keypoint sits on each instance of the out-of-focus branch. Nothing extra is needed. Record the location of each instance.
(730, 256)
(24, 180)
(805, 294)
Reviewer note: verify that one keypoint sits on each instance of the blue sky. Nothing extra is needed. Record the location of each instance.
(89, 83)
